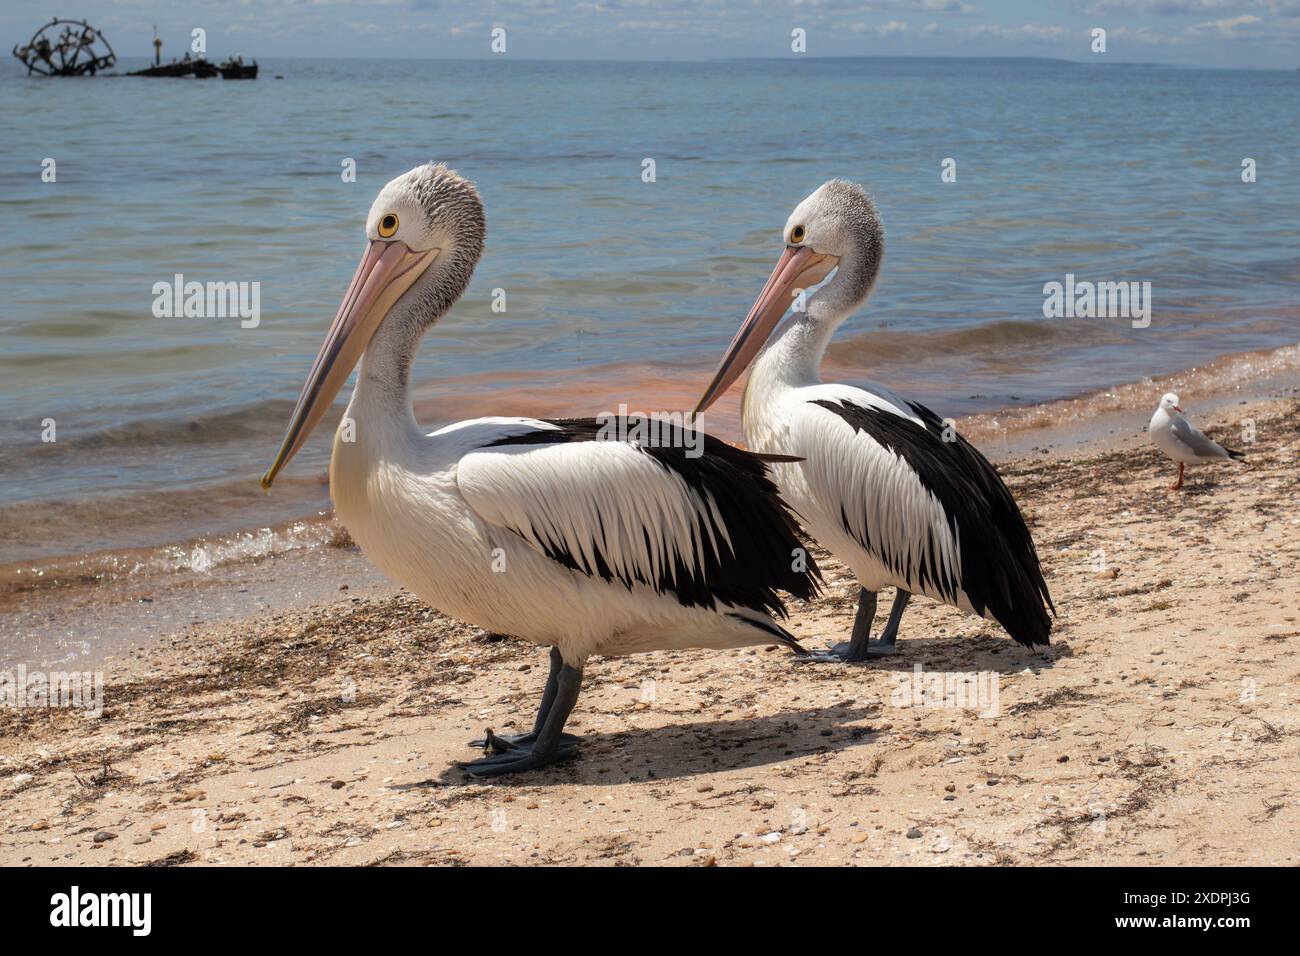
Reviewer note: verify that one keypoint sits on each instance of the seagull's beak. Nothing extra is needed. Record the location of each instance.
(387, 270)
(798, 268)
(1179, 408)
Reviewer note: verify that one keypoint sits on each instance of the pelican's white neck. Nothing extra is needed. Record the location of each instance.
(381, 399)
(794, 356)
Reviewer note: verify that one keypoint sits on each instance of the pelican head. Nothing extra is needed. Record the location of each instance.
(424, 235)
(1169, 402)
(836, 228)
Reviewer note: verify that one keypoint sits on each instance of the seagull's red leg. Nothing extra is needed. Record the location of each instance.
(1179, 483)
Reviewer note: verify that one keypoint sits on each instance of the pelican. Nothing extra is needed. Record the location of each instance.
(884, 483)
(1182, 441)
(532, 527)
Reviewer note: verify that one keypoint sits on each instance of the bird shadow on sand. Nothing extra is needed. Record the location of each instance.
(675, 751)
(1200, 485)
(979, 653)
(679, 750)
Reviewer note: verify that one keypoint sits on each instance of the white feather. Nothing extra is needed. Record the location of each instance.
(846, 474)
(1181, 440)
(463, 525)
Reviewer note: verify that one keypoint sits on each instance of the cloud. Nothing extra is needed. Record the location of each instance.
(1177, 8)
(892, 28)
(948, 6)
(1145, 35)
(1233, 28)
(1026, 31)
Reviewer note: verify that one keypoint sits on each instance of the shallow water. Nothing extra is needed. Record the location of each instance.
(617, 290)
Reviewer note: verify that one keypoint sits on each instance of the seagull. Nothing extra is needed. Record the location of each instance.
(1182, 441)
(887, 486)
(581, 535)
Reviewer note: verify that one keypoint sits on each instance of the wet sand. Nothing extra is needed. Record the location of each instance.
(1158, 729)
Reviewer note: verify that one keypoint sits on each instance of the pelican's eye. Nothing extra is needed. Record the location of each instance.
(797, 234)
(388, 226)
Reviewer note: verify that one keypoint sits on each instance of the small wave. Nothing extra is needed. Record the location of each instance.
(1241, 373)
(891, 345)
(149, 514)
(261, 420)
(197, 556)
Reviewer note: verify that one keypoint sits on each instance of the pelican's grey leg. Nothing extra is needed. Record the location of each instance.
(860, 647)
(549, 744)
(889, 636)
(856, 648)
(499, 743)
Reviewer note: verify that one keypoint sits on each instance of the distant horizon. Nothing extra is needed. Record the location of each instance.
(1009, 58)
(1213, 34)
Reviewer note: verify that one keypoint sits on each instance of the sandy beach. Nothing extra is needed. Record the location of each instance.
(1158, 729)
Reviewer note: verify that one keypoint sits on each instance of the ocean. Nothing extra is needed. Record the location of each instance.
(617, 290)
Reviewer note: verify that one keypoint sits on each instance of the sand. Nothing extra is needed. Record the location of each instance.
(1159, 728)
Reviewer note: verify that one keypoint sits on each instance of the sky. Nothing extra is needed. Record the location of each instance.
(1221, 33)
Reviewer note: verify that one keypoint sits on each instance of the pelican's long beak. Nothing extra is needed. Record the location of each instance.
(798, 268)
(387, 270)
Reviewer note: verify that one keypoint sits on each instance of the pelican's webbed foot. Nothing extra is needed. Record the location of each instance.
(500, 743)
(860, 647)
(518, 759)
(845, 653)
(546, 743)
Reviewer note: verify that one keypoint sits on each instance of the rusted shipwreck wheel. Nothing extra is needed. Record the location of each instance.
(66, 48)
